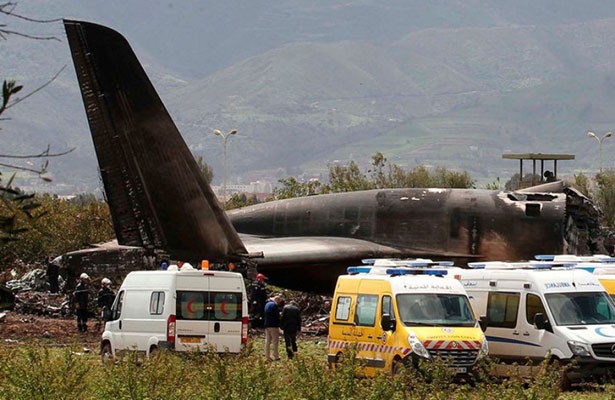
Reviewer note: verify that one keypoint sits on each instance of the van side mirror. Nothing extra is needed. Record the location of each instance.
(482, 322)
(386, 323)
(540, 322)
(107, 314)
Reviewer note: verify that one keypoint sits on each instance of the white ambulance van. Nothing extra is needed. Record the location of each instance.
(533, 310)
(397, 312)
(182, 310)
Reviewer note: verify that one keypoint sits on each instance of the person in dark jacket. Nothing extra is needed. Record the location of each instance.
(53, 272)
(81, 296)
(272, 327)
(106, 296)
(258, 298)
(290, 323)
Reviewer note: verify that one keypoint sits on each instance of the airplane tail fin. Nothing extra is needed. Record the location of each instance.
(156, 192)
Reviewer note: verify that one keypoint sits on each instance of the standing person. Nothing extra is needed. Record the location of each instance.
(81, 296)
(272, 327)
(258, 298)
(291, 324)
(106, 296)
(53, 272)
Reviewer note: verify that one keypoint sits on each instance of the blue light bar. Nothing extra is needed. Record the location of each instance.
(446, 263)
(544, 257)
(607, 259)
(407, 271)
(359, 270)
(477, 265)
(544, 266)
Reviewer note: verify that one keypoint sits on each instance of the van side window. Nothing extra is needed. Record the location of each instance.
(116, 308)
(226, 306)
(502, 309)
(191, 305)
(367, 305)
(156, 303)
(533, 306)
(342, 310)
(386, 306)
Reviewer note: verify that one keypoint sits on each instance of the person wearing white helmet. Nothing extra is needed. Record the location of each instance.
(81, 296)
(106, 296)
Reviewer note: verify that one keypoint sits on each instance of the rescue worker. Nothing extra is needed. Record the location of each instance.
(258, 298)
(272, 328)
(290, 322)
(53, 272)
(81, 296)
(106, 296)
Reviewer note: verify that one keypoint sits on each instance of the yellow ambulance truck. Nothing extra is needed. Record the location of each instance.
(397, 312)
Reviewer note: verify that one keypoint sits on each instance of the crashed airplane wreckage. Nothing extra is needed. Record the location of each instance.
(160, 201)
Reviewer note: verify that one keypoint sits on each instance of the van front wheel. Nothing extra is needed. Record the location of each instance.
(106, 353)
(398, 366)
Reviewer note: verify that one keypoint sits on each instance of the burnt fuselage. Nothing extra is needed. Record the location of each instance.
(455, 224)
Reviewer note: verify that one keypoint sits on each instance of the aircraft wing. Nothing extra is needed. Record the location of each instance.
(286, 251)
(156, 192)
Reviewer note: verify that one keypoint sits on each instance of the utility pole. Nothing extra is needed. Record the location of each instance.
(224, 136)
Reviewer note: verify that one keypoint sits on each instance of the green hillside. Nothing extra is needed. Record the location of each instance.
(451, 82)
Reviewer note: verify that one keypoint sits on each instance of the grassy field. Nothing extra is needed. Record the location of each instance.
(36, 372)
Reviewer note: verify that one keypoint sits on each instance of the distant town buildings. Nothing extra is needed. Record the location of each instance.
(260, 189)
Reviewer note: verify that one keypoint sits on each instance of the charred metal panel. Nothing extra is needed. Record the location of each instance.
(156, 192)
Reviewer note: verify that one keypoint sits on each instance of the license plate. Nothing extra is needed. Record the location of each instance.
(191, 339)
(458, 370)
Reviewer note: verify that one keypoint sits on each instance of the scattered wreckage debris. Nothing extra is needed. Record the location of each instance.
(42, 303)
(314, 308)
(35, 280)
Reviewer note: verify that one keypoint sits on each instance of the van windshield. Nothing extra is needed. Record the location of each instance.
(592, 308)
(435, 310)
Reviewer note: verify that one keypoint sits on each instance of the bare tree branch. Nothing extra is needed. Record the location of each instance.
(36, 171)
(10, 12)
(20, 99)
(45, 153)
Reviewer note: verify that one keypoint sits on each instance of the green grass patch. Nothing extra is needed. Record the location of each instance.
(35, 372)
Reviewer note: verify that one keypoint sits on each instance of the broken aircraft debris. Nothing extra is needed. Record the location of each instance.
(160, 201)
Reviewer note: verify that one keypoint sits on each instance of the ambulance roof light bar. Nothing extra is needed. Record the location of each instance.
(602, 258)
(538, 265)
(410, 271)
(395, 271)
(398, 262)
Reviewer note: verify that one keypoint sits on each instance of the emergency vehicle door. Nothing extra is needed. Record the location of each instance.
(366, 332)
(530, 337)
(192, 313)
(225, 312)
(502, 318)
(115, 324)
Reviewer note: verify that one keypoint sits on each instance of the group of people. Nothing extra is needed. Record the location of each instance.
(273, 315)
(81, 296)
(288, 319)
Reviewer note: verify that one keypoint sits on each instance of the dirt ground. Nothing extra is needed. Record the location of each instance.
(16, 328)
